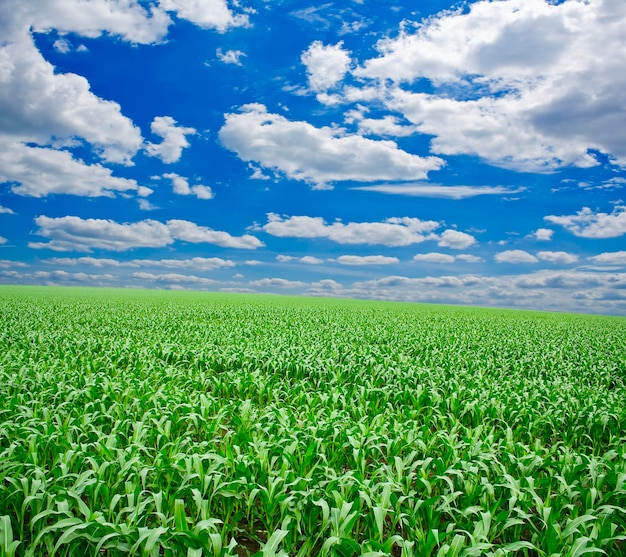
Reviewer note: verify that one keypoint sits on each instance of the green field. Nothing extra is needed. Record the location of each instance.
(154, 423)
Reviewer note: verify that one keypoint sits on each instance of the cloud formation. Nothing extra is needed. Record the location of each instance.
(174, 139)
(72, 233)
(181, 187)
(357, 260)
(326, 65)
(439, 191)
(523, 84)
(319, 156)
(590, 224)
(42, 171)
(208, 14)
(392, 232)
(515, 256)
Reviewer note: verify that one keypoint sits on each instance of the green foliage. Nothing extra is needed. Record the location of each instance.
(143, 423)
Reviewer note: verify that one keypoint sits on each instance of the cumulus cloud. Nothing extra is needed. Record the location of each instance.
(308, 259)
(190, 232)
(230, 56)
(610, 258)
(326, 65)
(515, 256)
(468, 258)
(9, 263)
(40, 105)
(388, 126)
(589, 224)
(174, 139)
(558, 257)
(62, 45)
(41, 171)
(570, 279)
(277, 283)
(126, 19)
(318, 156)
(208, 14)
(434, 257)
(555, 290)
(392, 232)
(174, 278)
(543, 234)
(456, 240)
(72, 233)
(367, 260)
(195, 263)
(182, 187)
(524, 84)
(6, 210)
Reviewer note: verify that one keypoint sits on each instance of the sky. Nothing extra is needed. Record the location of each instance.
(444, 152)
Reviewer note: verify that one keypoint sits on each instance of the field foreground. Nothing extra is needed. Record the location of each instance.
(144, 423)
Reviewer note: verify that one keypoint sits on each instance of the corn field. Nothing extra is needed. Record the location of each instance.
(196, 424)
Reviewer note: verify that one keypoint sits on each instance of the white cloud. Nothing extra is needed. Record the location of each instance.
(195, 263)
(545, 290)
(543, 234)
(308, 259)
(190, 232)
(388, 126)
(571, 279)
(326, 65)
(174, 139)
(39, 171)
(76, 234)
(99, 262)
(558, 257)
(182, 187)
(40, 105)
(62, 45)
(6, 210)
(367, 260)
(72, 233)
(456, 240)
(230, 56)
(524, 84)
(317, 155)
(277, 283)
(439, 191)
(174, 278)
(3, 240)
(515, 256)
(127, 19)
(8, 264)
(434, 257)
(208, 14)
(392, 232)
(63, 277)
(589, 224)
(610, 258)
(469, 258)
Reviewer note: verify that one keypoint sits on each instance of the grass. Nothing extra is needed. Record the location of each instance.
(154, 423)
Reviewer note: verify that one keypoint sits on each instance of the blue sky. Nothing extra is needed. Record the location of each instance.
(466, 153)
